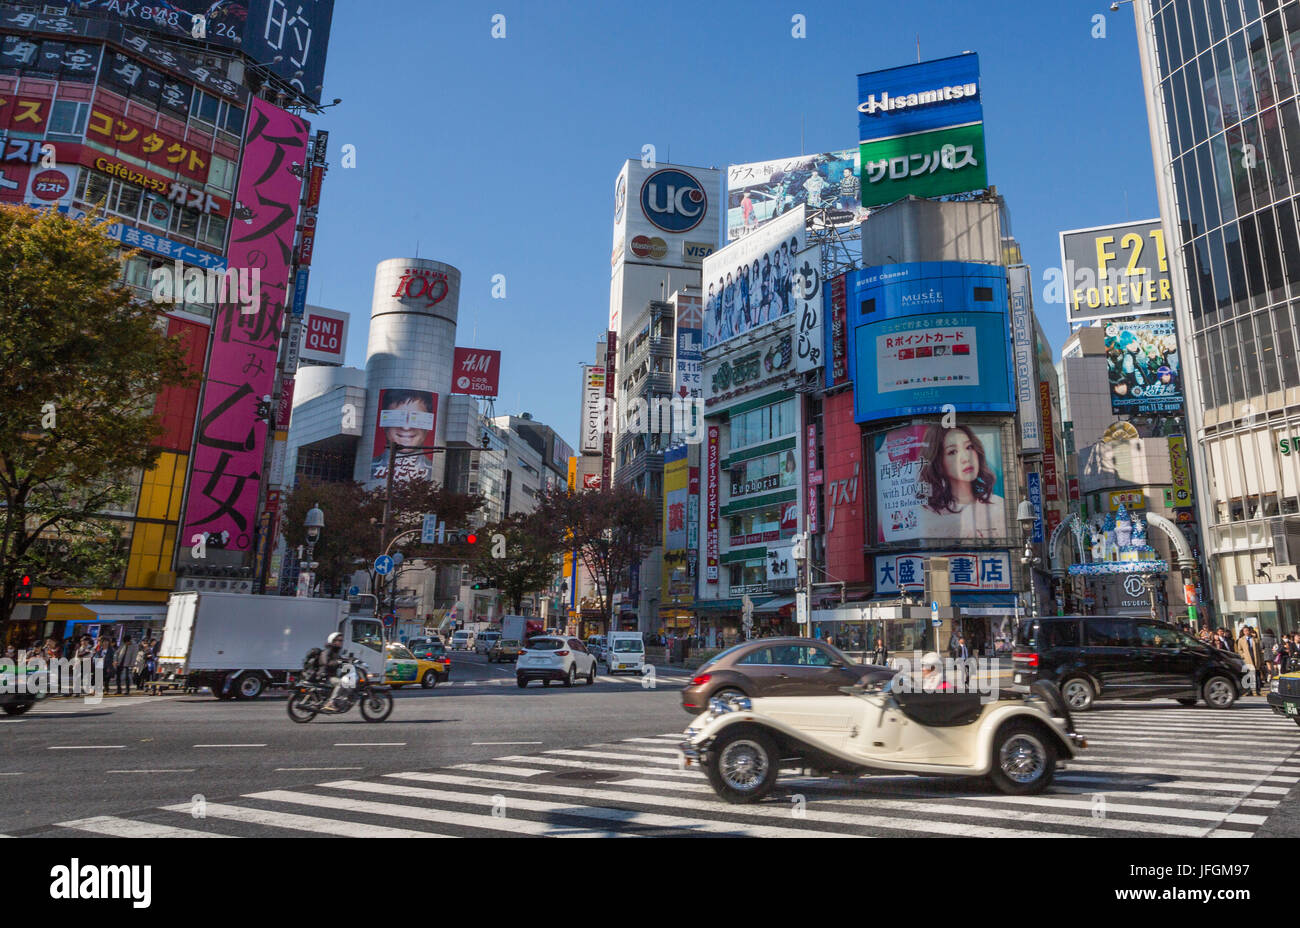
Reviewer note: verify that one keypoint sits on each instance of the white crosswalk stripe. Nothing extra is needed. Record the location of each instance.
(1149, 771)
(629, 680)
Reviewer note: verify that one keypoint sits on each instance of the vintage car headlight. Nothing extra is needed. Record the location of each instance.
(718, 706)
(1275, 686)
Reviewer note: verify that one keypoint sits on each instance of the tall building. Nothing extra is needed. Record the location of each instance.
(666, 219)
(1220, 81)
(175, 131)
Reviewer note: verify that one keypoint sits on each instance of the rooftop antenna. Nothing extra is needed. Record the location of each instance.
(417, 248)
(918, 48)
(801, 119)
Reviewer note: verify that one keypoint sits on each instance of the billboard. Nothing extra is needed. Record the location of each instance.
(1022, 332)
(750, 282)
(476, 372)
(1116, 270)
(1181, 478)
(324, 335)
(295, 31)
(226, 469)
(593, 409)
(808, 301)
(928, 335)
(1143, 368)
(826, 183)
(941, 483)
(659, 210)
(689, 334)
(406, 419)
(968, 572)
(921, 130)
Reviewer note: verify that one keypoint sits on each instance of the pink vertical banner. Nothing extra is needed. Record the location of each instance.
(226, 472)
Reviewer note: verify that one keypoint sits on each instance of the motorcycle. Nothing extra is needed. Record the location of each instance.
(310, 696)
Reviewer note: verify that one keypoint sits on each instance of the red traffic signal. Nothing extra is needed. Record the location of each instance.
(471, 539)
(25, 587)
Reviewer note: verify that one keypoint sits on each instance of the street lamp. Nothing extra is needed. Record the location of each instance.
(1026, 516)
(314, 522)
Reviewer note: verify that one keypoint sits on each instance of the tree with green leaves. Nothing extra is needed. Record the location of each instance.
(610, 529)
(528, 562)
(82, 365)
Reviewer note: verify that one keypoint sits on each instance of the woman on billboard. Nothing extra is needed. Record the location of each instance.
(958, 485)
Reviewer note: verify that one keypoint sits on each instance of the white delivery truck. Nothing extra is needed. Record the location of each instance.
(238, 645)
(520, 628)
(625, 651)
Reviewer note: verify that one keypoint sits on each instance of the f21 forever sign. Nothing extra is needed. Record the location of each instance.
(1115, 271)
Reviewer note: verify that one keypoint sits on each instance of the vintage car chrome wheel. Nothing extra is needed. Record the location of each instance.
(743, 765)
(1024, 758)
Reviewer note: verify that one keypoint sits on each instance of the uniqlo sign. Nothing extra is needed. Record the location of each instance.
(324, 335)
(476, 372)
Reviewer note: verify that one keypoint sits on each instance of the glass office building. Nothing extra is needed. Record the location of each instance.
(1221, 84)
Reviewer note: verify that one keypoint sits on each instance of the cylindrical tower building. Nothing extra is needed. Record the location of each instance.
(409, 366)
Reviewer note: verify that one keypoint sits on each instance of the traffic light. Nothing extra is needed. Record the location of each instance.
(460, 538)
(478, 585)
(25, 587)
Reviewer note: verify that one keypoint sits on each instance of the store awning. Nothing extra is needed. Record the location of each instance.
(776, 604)
(726, 605)
(974, 604)
(113, 611)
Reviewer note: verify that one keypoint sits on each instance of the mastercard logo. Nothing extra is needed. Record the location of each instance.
(644, 246)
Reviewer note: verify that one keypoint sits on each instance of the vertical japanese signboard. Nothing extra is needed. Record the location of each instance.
(813, 476)
(1021, 293)
(711, 506)
(225, 475)
(1035, 485)
(1181, 478)
(807, 284)
(837, 371)
(1050, 488)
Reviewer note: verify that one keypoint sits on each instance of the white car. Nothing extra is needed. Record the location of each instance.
(1016, 740)
(555, 657)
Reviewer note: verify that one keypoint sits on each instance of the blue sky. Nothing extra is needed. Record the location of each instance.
(499, 156)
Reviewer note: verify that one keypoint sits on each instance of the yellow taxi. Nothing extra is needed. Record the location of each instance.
(402, 667)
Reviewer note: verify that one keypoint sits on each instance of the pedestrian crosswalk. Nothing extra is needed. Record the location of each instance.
(1151, 770)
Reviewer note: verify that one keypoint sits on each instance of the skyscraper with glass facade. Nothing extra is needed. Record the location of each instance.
(1221, 84)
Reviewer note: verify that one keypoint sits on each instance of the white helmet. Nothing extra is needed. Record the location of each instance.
(335, 639)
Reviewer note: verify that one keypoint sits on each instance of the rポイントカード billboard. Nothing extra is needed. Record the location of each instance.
(927, 335)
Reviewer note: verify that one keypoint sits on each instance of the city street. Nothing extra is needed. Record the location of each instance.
(480, 757)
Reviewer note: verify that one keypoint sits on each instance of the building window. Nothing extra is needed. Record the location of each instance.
(764, 424)
(68, 117)
(748, 577)
(221, 173)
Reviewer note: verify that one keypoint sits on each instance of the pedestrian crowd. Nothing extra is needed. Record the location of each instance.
(125, 664)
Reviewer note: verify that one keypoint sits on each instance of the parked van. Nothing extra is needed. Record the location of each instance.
(1123, 657)
(462, 640)
(625, 651)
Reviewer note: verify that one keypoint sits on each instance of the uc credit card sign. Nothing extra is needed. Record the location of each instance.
(921, 130)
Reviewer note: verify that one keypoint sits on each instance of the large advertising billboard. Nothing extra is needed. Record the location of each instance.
(406, 420)
(750, 282)
(808, 303)
(476, 372)
(324, 335)
(826, 183)
(921, 130)
(226, 471)
(1115, 271)
(929, 335)
(935, 482)
(290, 36)
(1143, 368)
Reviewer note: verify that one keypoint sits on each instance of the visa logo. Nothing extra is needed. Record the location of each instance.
(697, 251)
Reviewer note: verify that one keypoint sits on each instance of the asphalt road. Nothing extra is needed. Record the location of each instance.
(68, 760)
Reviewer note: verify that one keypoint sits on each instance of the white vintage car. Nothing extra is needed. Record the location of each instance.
(1015, 740)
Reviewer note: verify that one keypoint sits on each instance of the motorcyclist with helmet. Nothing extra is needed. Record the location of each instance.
(330, 663)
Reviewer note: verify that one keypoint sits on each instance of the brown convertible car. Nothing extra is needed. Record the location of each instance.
(777, 667)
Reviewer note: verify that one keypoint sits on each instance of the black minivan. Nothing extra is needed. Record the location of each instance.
(1094, 657)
